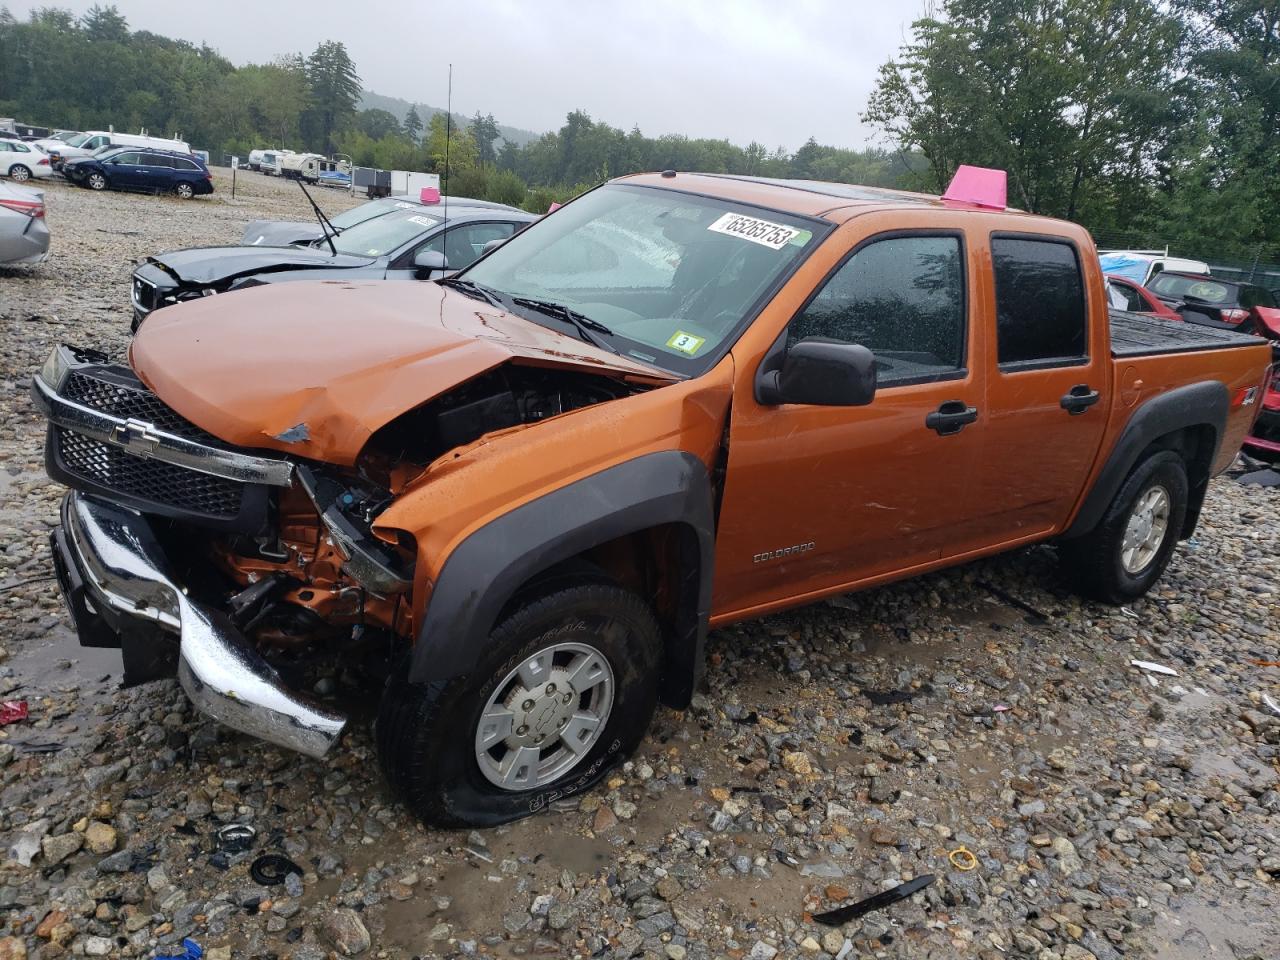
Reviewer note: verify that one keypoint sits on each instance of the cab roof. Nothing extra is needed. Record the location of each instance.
(835, 202)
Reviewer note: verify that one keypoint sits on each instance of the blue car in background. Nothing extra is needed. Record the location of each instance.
(145, 169)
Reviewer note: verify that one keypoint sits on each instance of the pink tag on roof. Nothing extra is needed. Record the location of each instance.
(554, 207)
(982, 186)
(429, 195)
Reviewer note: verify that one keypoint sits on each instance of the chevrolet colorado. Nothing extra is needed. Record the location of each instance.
(680, 401)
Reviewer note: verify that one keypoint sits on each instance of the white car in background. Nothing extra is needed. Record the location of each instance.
(21, 161)
(24, 235)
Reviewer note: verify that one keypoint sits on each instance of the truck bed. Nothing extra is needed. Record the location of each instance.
(1133, 335)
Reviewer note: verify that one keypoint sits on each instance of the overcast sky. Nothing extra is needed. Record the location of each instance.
(777, 72)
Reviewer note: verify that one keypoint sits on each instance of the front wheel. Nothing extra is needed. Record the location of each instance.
(184, 191)
(19, 173)
(96, 181)
(1127, 552)
(565, 690)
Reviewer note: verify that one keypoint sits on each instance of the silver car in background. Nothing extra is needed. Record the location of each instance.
(24, 235)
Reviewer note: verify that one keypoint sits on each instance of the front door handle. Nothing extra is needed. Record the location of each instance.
(1080, 399)
(950, 418)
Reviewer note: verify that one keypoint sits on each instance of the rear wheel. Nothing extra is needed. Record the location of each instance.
(19, 173)
(565, 690)
(96, 181)
(1127, 552)
(184, 191)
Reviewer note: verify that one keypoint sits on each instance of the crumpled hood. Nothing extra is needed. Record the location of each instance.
(279, 233)
(213, 265)
(314, 368)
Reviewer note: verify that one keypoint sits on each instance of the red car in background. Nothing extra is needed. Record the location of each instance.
(1263, 442)
(1125, 294)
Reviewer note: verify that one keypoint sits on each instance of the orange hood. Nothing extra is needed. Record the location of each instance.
(313, 369)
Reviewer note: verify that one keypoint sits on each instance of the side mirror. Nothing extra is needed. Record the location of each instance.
(493, 244)
(821, 373)
(427, 262)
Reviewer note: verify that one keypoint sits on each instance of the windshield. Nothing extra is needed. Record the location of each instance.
(78, 139)
(674, 277)
(1196, 288)
(381, 235)
(374, 208)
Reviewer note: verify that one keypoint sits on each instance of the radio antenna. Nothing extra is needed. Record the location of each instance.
(448, 135)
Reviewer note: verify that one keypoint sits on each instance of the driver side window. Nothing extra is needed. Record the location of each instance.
(462, 245)
(901, 297)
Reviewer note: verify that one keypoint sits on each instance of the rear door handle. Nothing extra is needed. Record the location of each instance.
(1080, 399)
(951, 418)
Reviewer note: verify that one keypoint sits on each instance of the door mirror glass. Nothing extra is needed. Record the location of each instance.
(493, 244)
(430, 261)
(822, 373)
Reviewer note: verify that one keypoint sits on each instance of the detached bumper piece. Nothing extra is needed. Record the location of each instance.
(109, 556)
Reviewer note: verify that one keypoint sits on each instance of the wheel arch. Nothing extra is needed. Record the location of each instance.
(1188, 420)
(647, 524)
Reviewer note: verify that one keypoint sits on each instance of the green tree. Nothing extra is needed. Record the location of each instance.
(377, 123)
(334, 91)
(105, 25)
(413, 125)
(484, 129)
(1068, 96)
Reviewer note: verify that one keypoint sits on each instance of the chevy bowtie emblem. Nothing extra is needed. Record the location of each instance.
(136, 436)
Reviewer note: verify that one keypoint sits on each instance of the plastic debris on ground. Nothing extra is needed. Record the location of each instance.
(11, 711)
(842, 915)
(1154, 667)
(1275, 707)
(190, 951)
(270, 869)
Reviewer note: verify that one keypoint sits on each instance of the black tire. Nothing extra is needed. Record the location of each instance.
(426, 733)
(1095, 561)
(184, 190)
(19, 173)
(96, 181)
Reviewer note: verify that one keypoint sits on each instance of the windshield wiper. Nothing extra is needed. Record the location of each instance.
(586, 327)
(474, 290)
(325, 225)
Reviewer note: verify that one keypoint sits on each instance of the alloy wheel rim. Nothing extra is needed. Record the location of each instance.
(184, 191)
(545, 716)
(97, 181)
(1146, 530)
(20, 174)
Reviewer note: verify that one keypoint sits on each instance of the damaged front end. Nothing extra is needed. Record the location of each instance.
(168, 535)
(234, 568)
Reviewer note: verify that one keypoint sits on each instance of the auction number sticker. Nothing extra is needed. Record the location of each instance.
(423, 221)
(775, 236)
(685, 342)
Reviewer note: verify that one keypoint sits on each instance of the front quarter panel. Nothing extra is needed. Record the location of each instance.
(465, 491)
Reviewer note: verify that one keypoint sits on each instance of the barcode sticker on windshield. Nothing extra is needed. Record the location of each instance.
(775, 236)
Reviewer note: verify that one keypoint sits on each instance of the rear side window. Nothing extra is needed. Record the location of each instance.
(902, 298)
(1040, 305)
(156, 160)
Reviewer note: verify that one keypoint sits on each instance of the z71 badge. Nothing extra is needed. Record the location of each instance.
(783, 552)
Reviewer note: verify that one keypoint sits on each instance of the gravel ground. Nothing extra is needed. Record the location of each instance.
(838, 750)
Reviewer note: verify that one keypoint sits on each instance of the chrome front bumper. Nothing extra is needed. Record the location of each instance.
(124, 570)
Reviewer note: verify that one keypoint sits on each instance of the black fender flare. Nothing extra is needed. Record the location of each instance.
(483, 572)
(1203, 404)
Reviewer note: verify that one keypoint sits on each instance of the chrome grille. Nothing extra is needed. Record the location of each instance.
(153, 480)
(131, 401)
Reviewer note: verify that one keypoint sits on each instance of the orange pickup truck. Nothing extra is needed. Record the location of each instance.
(532, 488)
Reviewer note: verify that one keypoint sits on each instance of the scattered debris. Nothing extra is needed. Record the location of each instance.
(842, 915)
(882, 697)
(962, 859)
(236, 837)
(1034, 616)
(1265, 663)
(1275, 708)
(1261, 478)
(190, 951)
(12, 711)
(270, 869)
(1154, 667)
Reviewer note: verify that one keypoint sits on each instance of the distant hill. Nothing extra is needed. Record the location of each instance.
(398, 108)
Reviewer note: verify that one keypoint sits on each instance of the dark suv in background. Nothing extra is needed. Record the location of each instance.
(135, 168)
